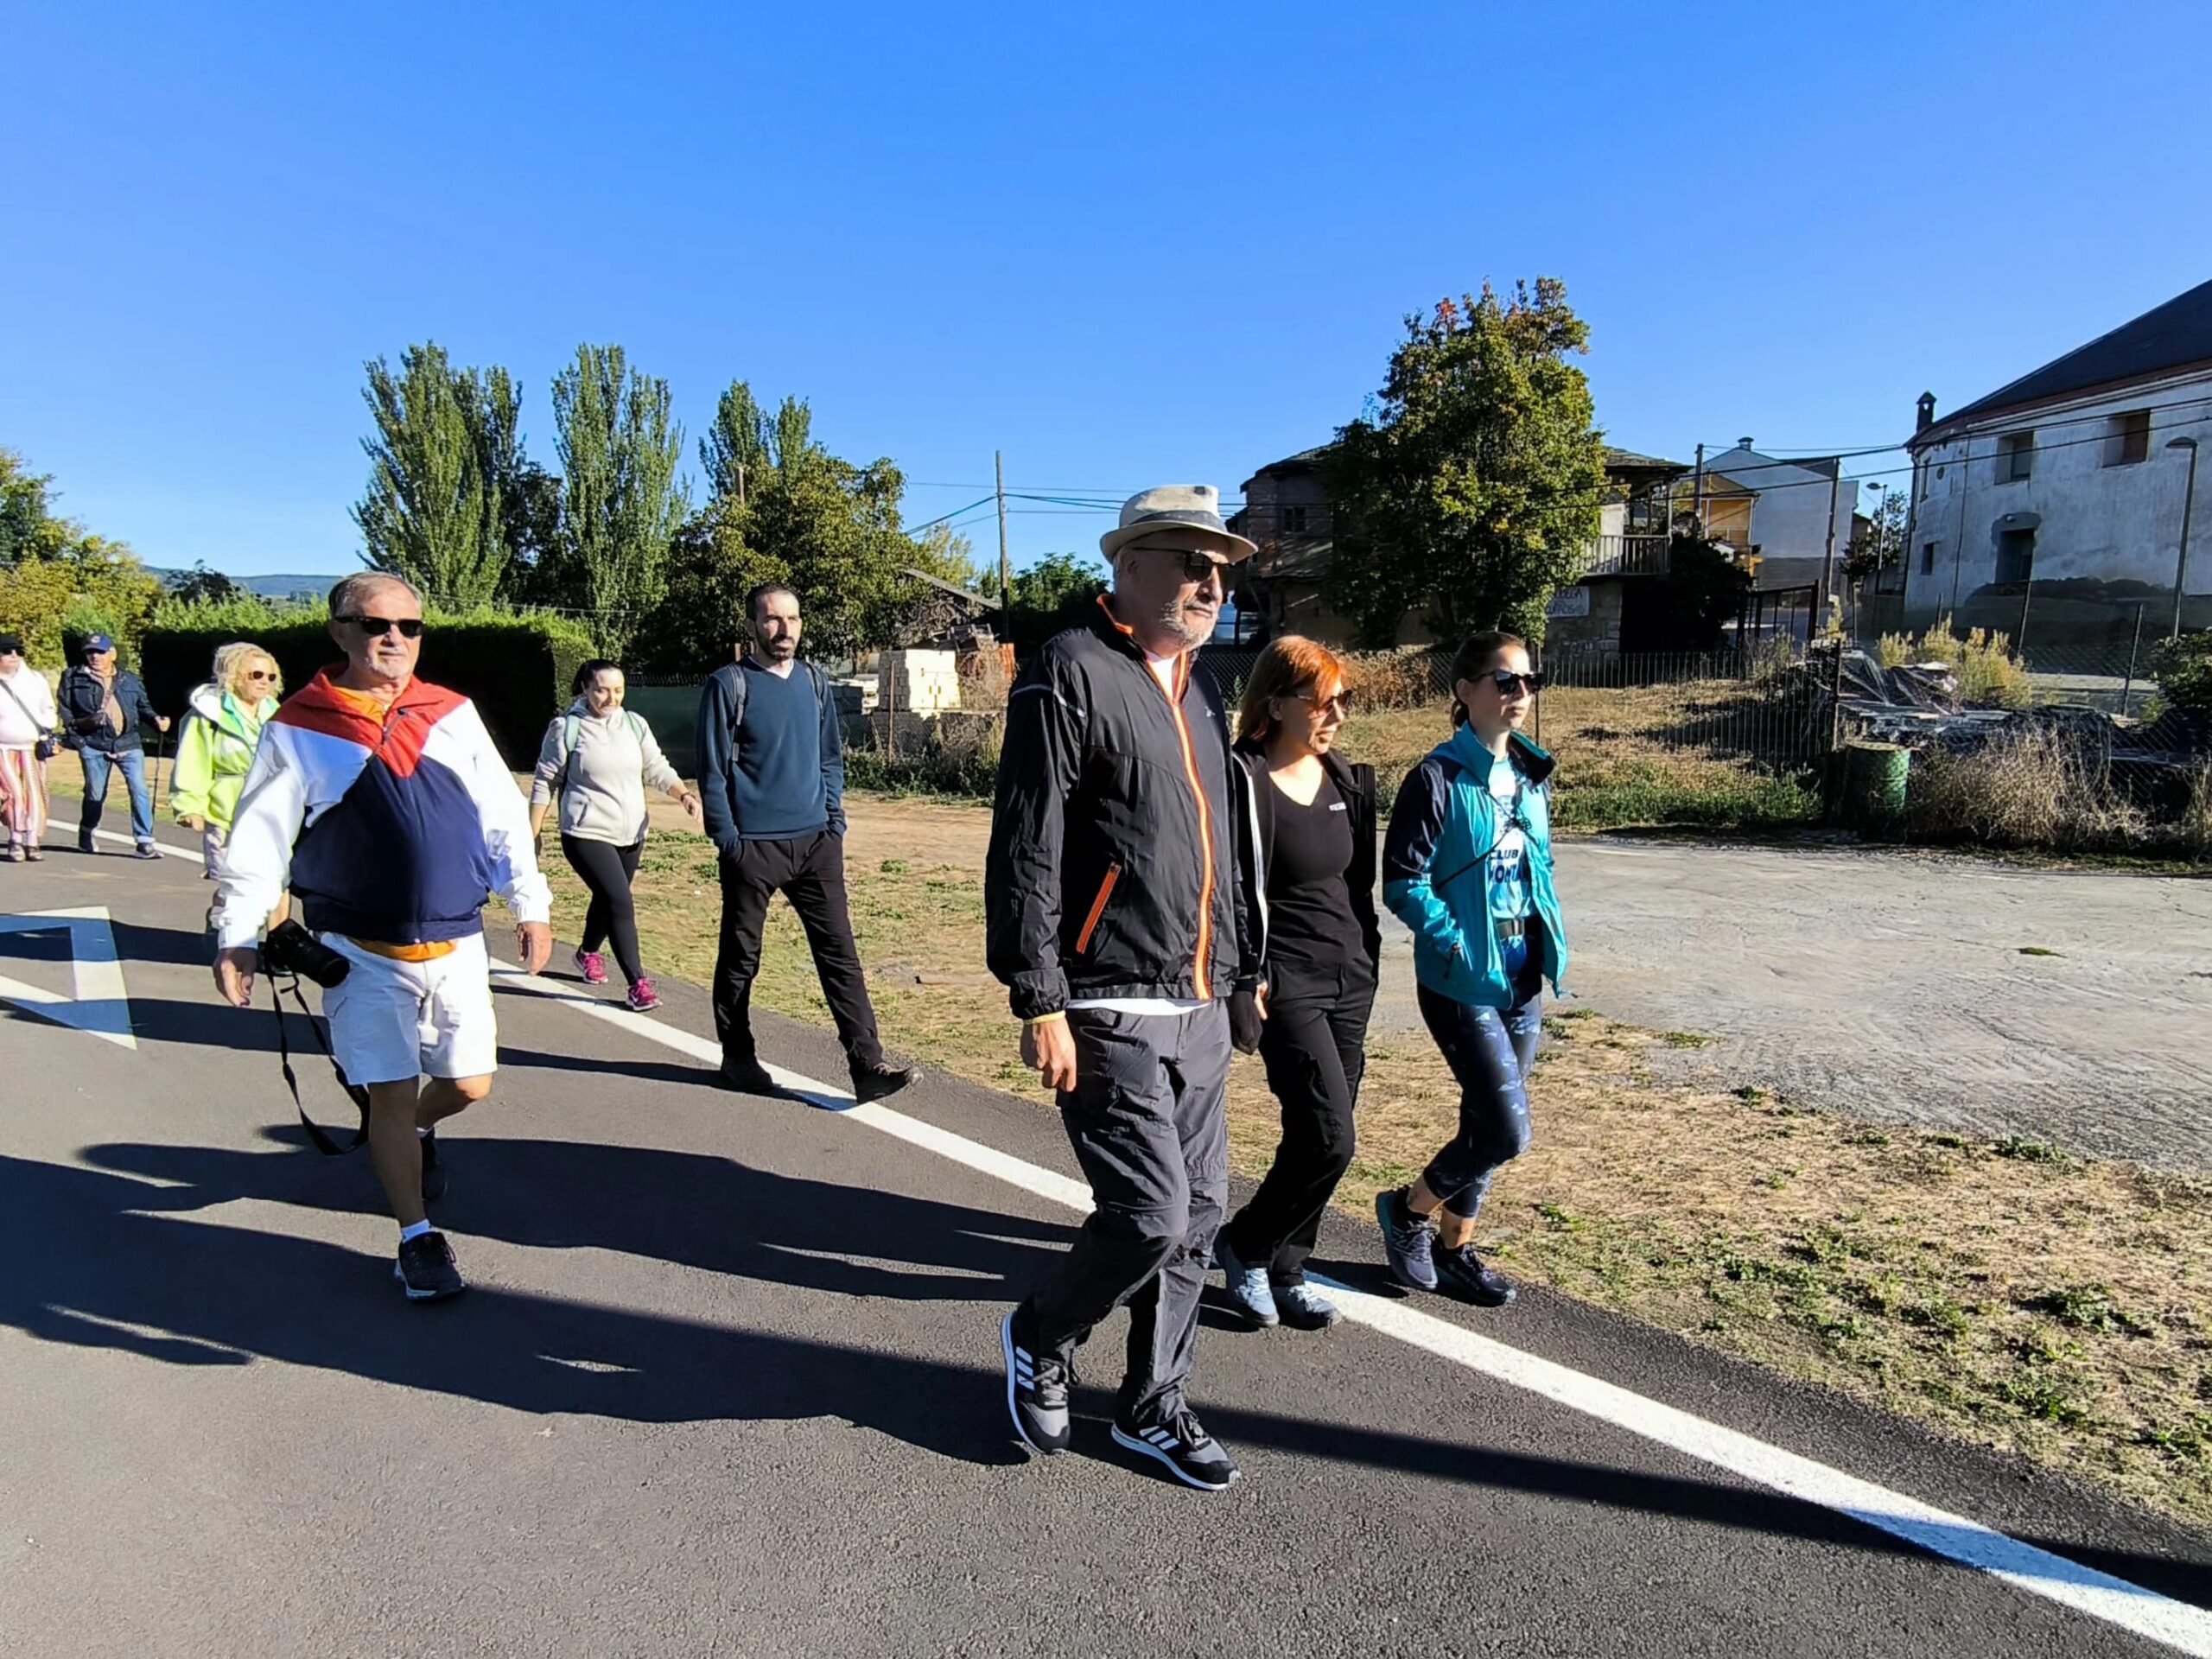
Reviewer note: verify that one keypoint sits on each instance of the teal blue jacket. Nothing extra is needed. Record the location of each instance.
(1442, 832)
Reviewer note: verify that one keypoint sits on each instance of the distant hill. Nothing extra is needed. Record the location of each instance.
(281, 586)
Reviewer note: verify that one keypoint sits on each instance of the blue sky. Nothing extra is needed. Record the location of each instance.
(1126, 245)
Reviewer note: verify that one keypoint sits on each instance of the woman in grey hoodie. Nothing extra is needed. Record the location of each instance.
(600, 759)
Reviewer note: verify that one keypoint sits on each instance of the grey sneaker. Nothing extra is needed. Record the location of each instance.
(1408, 1240)
(1304, 1308)
(1248, 1287)
(1036, 1390)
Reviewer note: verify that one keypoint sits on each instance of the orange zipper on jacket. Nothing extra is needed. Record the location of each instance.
(1097, 908)
(1201, 963)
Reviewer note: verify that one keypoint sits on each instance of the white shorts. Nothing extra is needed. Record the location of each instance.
(394, 1021)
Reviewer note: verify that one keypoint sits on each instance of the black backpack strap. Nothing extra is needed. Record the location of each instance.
(354, 1092)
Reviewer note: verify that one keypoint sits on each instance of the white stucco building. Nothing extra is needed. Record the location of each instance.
(1777, 511)
(2063, 491)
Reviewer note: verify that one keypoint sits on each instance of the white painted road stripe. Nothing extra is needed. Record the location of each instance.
(1954, 1537)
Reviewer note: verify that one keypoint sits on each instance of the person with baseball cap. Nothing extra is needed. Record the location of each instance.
(1119, 867)
(103, 707)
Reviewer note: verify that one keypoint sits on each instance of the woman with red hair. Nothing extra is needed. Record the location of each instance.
(1314, 822)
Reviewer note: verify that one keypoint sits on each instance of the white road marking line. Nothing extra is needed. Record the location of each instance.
(99, 1003)
(1954, 1537)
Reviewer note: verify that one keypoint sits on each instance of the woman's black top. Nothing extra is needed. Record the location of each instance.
(1310, 918)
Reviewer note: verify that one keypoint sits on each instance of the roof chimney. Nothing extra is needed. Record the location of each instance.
(1743, 443)
(1927, 411)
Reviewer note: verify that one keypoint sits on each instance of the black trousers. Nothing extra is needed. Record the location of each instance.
(809, 871)
(1314, 1045)
(608, 870)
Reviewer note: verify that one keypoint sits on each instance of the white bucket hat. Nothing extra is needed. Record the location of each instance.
(1176, 506)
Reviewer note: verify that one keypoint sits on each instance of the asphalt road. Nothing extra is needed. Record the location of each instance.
(727, 1382)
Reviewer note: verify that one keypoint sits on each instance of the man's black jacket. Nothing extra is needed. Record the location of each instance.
(1122, 861)
(84, 711)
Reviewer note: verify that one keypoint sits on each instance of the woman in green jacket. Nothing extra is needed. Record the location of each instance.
(221, 733)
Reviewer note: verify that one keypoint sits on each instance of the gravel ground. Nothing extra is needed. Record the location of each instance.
(1906, 987)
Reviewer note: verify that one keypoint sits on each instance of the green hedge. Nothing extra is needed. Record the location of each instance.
(516, 669)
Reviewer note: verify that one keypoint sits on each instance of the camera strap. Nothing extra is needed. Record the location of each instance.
(359, 1095)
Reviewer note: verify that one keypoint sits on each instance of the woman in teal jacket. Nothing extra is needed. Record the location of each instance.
(1467, 866)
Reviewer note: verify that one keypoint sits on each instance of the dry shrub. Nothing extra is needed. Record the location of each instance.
(1396, 680)
(2195, 830)
(1989, 675)
(2025, 788)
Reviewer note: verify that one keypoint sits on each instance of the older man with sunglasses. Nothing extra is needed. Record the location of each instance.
(380, 800)
(1115, 894)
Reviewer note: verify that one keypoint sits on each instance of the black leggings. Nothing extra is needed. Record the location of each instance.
(607, 869)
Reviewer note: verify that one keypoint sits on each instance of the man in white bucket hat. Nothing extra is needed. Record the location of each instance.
(1115, 893)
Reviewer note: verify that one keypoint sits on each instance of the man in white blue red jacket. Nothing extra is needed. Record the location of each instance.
(380, 801)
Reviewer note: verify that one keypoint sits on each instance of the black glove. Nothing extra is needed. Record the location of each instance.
(1244, 1022)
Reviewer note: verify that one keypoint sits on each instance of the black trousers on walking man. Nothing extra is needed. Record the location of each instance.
(809, 871)
(1146, 1122)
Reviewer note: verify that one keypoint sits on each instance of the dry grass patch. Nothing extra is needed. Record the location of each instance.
(2007, 1293)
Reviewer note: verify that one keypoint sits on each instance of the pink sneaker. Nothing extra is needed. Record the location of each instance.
(643, 997)
(592, 966)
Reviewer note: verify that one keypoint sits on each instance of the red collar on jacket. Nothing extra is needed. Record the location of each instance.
(398, 738)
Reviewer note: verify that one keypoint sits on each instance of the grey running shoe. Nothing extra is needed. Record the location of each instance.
(1407, 1241)
(1178, 1440)
(1248, 1287)
(426, 1269)
(1036, 1390)
(1461, 1273)
(1304, 1308)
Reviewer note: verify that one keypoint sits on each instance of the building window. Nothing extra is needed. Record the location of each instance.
(2016, 457)
(2127, 438)
(2016, 557)
(1927, 558)
(1293, 521)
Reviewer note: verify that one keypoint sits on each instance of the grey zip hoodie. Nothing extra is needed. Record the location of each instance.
(602, 785)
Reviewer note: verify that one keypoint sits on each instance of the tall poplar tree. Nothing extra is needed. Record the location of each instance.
(621, 500)
(445, 442)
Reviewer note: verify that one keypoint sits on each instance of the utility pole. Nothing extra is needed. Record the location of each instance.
(1827, 558)
(1005, 566)
(1697, 497)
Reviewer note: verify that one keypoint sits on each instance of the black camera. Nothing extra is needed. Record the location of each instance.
(290, 948)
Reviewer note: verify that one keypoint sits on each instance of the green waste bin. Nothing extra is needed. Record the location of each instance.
(1875, 780)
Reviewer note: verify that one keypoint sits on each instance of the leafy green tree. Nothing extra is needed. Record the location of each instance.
(201, 583)
(1472, 492)
(1690, 606)
(736, 448)
(444, 448)
(1055, 593)
(1881, 544)
(55, 574)
(622, 501)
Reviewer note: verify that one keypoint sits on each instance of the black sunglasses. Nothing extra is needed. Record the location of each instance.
(1196, 566)
(410, 627)
(259, 674)
(1511, 684)
(1339, 705)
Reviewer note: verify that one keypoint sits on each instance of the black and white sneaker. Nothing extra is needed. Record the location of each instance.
(434, 1173)
(1463, 1273)
(1177, 1439)
(1036, 1391)
(426, 1268)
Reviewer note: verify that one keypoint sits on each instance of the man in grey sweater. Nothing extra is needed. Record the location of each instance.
(772, 779)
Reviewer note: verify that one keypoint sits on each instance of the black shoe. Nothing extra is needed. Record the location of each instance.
(147, 849)
(434, 1174)
(1461, 1273)
(1036, 1391)
(1177, 1439)
(426, 1268)
(749, 1078)
(881, 1080)
(1408, 1241)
